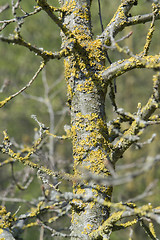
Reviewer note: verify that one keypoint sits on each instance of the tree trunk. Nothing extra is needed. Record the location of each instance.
(86, 98)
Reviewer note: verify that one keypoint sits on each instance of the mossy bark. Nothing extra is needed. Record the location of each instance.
(86, 99)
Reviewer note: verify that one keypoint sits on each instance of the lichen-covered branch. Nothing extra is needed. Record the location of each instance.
(140, 123)
(118, 68)
(6, 148)
(50, 11)
(122, 19)
(97, 145)
(46, 55)
(130, 210)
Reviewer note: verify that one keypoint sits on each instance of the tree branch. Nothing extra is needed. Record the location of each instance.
(120, 67)
(38, 51)
(120, 20)
(2, 103)
(141, 121)
(50, 11)
(4, 7)
(16, 19)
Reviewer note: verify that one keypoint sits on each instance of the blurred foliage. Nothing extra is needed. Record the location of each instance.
(17, 67)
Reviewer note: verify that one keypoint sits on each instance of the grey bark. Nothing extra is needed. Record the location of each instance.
(86, 103)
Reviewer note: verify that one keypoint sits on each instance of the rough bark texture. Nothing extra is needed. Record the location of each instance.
(97, 145)
(86, 98)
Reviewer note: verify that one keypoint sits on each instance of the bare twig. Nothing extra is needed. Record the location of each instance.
(2, 103)
(4, 7)
(38, 51)
(140, 145)
(5, 23)
(147, 192)
(125, 178)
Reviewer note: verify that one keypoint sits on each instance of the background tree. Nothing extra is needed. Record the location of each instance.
(98, 143)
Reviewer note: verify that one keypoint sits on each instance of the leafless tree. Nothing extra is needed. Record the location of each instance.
(97, 144)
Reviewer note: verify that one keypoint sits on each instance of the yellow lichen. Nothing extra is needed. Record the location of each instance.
(151, 228)
(2, 103)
